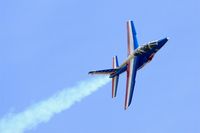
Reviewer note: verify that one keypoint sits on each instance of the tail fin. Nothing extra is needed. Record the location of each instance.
(116, 78)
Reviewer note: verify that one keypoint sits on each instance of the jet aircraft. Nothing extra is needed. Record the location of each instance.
(138, 57)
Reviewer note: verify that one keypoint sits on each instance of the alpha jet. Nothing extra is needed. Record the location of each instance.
(138, 57)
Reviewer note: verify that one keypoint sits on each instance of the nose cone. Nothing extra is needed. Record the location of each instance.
(162, 42)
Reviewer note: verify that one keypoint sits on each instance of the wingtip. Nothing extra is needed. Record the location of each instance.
(91, 72)
(113, 96)
(129, 20)
(125, 108)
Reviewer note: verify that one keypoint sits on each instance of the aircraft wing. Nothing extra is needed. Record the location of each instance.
(130, 81)
(132, 39)
(132, 64)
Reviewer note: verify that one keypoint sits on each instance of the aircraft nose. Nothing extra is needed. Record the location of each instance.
(162, 41)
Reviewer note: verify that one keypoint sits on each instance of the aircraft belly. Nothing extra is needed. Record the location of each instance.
(123, 69)
(144, 59)
(119, 71)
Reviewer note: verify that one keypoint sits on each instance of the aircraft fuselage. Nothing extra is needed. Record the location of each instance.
(144, 53)
(138, 56)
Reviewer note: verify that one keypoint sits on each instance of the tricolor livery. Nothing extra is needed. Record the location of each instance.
(138, 56)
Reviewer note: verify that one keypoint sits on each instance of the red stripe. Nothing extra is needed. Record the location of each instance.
(113, 78)
(113, 63)
(112, 87)
(128, 35)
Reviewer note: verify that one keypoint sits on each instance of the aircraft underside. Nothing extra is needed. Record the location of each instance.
(138, 56)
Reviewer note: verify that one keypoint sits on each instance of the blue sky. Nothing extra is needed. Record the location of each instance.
(49, 45)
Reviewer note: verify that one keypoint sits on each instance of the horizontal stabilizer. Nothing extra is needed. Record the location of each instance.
(114, 85)
(115, 78)
(104, 72)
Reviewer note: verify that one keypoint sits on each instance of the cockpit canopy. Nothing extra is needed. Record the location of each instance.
(145, 48)
(153, 42)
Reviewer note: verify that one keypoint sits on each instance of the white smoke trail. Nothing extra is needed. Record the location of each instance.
(45, 110)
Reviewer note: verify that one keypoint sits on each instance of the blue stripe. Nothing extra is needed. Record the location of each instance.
(116, 85)
(116, 59)
(134, 35)
(133, 28)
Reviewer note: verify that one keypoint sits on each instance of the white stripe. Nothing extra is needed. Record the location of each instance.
(131, 37)
(115, 62)
(130, 81)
